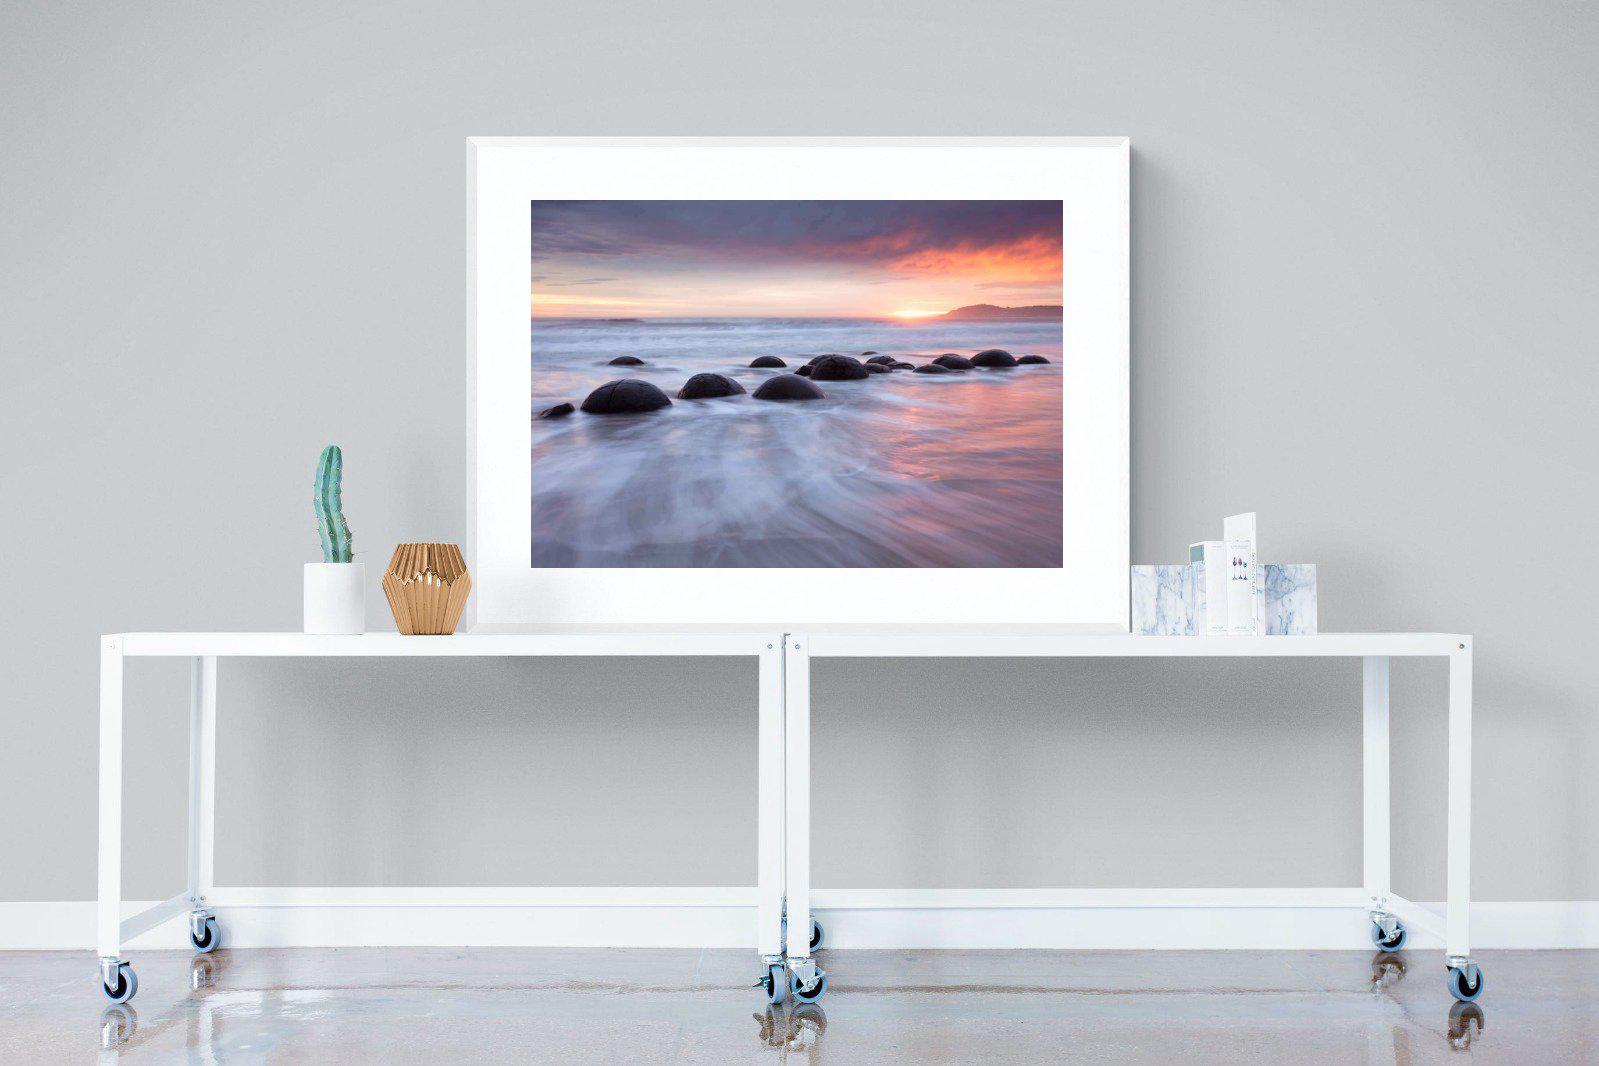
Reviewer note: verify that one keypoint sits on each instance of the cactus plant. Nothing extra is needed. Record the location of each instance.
(325, 501)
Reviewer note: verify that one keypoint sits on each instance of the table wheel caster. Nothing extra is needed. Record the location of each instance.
(774, 982)
(119, 984)
(204, 933)
(808, 993)
(1465, 980)
(817, 934)
(1388, 939)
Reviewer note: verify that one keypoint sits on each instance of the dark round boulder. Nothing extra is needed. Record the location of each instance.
(877, 368)
(839, 368)
(805, 371)
(902, 365)
(932, 368)
(1031, 360)
(994, 357)
(560, 410)
(788, 387)
(813, 360)
(709, 387)
(763, 361)
(952, 361)
(872, 352)
(626, 360)
(625, 397)
(881, 360)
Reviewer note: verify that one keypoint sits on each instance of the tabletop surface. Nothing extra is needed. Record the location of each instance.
(837, 641)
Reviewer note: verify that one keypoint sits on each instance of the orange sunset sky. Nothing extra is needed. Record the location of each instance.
(791, 258)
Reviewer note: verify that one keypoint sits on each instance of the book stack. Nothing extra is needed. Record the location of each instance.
(1224, 590)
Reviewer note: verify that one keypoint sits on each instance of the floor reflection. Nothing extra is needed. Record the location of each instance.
(1387, 970)
(118, 1024)
(120, 1027)
(1463, 1019)
(631, 1006)
(205, 969)
(792, 1029)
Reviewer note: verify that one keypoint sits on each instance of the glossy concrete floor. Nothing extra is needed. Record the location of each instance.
(367, 1005)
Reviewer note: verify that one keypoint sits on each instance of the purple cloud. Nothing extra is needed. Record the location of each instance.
(867, 232)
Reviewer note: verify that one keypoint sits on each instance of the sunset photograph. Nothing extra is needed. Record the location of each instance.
(756, 383)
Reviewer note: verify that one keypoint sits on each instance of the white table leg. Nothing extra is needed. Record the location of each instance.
(797, 791)
(202, 779)
(1375, 778)
(1457, 925)
(109, 908)
(769, 813)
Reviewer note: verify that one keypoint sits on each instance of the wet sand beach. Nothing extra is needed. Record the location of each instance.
(896, 469)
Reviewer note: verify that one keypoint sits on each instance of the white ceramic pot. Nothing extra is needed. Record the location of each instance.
(335, 597)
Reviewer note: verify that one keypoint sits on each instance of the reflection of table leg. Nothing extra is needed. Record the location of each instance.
(769, 803)
(797, 792)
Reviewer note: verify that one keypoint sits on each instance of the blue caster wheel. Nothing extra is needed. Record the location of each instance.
(126, 984)
(817, 935)
(1465, 986)
(775, 983)
(1385, 942)
(205, 935)
(811, 994)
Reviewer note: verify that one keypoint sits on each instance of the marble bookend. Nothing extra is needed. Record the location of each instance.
(1166, 599)
(1290, 599)
(1163, 601)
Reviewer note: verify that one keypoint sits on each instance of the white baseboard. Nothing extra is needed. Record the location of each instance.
(1304, 919)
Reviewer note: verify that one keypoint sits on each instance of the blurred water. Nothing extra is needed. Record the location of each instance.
(900, 469)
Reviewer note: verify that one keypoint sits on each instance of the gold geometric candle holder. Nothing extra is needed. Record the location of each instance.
(427, 586)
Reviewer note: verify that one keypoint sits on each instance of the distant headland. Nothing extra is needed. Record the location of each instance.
(1034, 311)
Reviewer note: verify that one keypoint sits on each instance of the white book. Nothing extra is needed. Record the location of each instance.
(1208, 560)
(1246, 585)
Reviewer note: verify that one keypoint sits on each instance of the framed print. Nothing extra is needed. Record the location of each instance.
(799, 381)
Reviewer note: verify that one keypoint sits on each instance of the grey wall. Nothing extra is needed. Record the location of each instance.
(1368, 229)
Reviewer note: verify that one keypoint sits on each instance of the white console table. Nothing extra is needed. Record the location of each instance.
(204, 649)
(1389, 914)
(783, 893)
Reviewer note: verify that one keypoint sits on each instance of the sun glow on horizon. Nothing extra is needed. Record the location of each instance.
(893, 261)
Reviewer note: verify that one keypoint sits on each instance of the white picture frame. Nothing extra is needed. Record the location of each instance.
(1089, 592)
